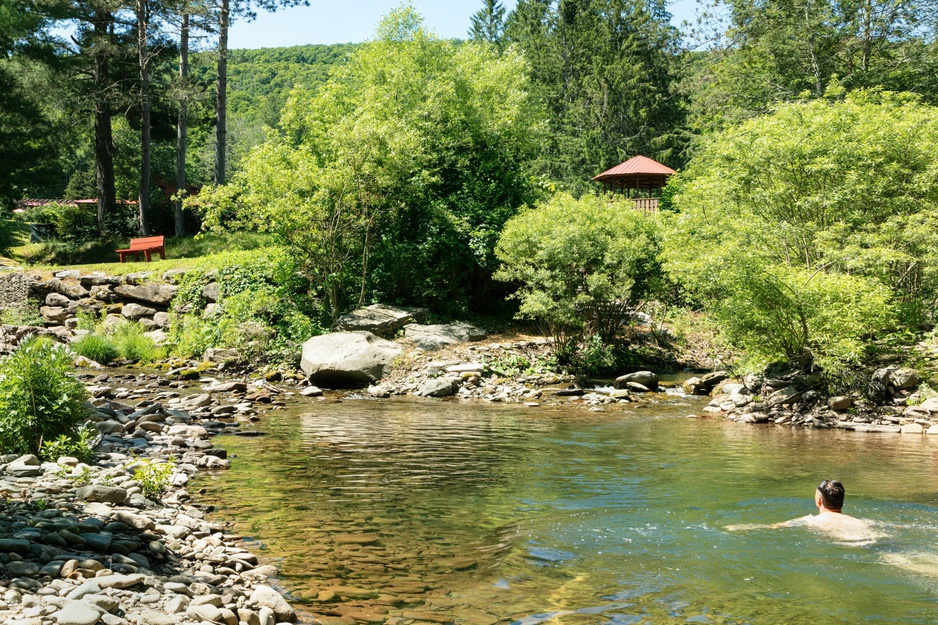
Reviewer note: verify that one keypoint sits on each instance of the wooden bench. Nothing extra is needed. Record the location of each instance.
(143, 247)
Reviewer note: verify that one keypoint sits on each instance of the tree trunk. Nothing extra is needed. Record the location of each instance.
(143, 200)
(221, 100)
(181, 125)
(103, 138)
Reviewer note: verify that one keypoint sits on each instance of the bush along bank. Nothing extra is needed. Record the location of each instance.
(116, 540)
(891, 399)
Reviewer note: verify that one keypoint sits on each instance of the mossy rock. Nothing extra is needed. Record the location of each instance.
(189, 374)
(273, 376)
(205, 365)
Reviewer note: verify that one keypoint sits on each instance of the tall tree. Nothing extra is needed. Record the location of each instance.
(182, 125)
(606, 69)
(27, 135)
(226, 11)
(488, 23)
(143, 56)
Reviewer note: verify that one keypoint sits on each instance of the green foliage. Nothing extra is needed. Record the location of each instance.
(132, 345)
(808, 230)
(96, 347)
(393, 180)
(39, 400)
(153, 476)
(581, 266)
(262, 312)
(78, 446)
(606, 70)
(783, 51)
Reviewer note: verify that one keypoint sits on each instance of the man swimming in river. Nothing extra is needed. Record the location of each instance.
(830, 519)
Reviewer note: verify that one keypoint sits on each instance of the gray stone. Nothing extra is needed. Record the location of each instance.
(646, 378)
(438, 336)
(54, 314)
(106, 494)
(437, 387)
(57, 299)
(912, 428)
(267, 597)
(347, 359)
(14, 545)
(23, 569)
(904, 379)
(161, 319)
(380, 320)
(119, 581)
(150, 293)
(221, 355)
(88, 588)
(840, 403)
(19, 469)
(152, 617)
(311, 391)
(210, 292)
(204, 612)
(77, 613)
(785, 396)
(135, 312)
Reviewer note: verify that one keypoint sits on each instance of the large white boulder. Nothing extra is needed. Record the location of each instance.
(347, 359)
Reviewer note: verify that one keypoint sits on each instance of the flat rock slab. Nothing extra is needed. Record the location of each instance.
(77, 613)
(380, 320)
(438, 336)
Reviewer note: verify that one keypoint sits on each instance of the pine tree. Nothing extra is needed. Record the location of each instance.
(488, 24)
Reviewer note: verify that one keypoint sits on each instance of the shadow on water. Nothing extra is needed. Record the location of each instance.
(445, 511)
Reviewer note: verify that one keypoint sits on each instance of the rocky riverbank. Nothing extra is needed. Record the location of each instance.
(81, 544)
(891, 400)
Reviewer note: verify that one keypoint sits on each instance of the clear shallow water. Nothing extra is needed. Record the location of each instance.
(444, 511)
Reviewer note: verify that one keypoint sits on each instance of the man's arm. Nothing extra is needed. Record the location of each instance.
(804, 520)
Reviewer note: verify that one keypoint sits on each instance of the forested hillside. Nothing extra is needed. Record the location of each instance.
(261, 80)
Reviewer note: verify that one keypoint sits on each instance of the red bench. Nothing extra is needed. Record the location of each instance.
(143, 247)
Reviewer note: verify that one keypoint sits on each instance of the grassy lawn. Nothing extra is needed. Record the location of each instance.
(204, 252)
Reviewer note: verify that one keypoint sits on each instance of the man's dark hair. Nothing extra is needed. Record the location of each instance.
(832, 494)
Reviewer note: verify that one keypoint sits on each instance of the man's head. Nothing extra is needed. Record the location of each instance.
(830, 494)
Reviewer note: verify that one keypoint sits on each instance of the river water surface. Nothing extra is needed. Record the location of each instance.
(473, 513)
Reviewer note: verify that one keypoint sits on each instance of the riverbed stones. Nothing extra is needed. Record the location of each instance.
(437, 387)
(348, 359)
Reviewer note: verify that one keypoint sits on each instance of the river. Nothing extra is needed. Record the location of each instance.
(440, 511)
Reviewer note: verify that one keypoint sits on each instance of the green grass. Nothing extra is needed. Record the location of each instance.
(204, 253)
(13, 234)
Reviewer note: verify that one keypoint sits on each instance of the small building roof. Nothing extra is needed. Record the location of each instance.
(636, 166)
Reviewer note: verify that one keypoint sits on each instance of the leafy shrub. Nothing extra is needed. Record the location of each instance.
(77, 446)
(39, 400)
(96, 347)
(153, 476)
(132, 345)
(581, 267)
(810, 230)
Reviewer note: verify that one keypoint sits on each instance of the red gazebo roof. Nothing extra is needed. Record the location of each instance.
(636, 166)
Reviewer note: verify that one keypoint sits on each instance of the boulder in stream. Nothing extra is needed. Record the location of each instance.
(347, 359)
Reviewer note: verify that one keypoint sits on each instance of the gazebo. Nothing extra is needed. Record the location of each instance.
(640, 179)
